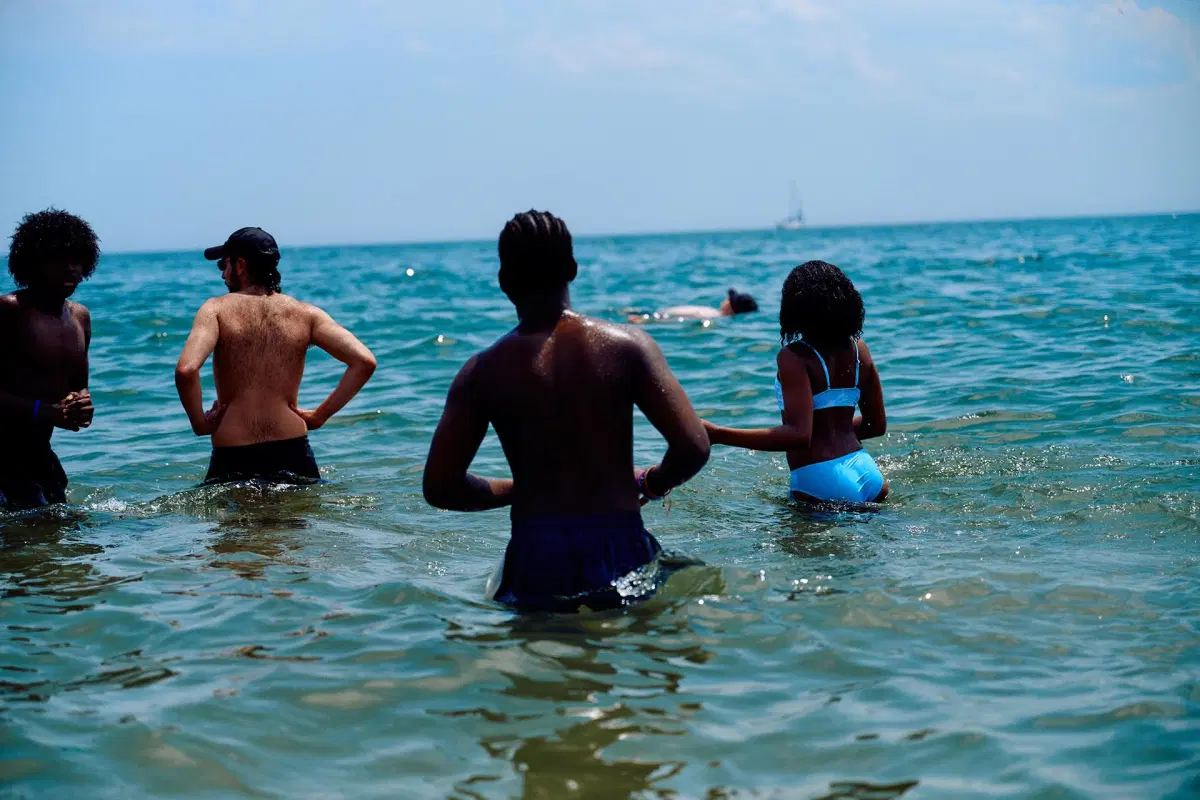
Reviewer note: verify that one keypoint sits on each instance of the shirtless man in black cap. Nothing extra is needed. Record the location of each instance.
(44, 340)
(260, 337)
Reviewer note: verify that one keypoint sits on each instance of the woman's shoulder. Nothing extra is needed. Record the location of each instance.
(788, 358)
(864, 352)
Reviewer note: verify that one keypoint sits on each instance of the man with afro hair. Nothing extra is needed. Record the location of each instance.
(44, 338)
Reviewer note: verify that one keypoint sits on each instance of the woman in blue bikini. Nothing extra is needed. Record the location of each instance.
(825, 370)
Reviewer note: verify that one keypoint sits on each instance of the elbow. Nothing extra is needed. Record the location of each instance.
(695, 456)
(798, 442)
(185, 374)
(368, 364)
(435, 494)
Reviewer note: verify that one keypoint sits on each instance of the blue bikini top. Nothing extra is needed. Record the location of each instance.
(830, 398)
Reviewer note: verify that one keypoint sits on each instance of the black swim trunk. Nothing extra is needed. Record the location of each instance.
(284, 461)
(30, 475)
(560, 563)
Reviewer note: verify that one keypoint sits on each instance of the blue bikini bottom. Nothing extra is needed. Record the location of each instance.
(853, 478)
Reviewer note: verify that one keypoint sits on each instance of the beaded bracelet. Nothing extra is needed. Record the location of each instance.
(644, 488)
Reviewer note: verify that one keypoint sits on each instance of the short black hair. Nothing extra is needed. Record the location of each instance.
(741, 303)
(51, 236)
(820, 305)
(536, 253)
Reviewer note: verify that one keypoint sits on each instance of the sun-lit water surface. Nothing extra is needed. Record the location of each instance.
(1019, 620)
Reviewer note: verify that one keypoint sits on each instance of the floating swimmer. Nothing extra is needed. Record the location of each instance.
(559, 389)
(735, 303)
(44, 339)
(825, 369)
(261, 336)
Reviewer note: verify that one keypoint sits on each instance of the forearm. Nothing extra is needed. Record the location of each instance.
(864, 430)
(191, 396)
(779, 439)
(471, 493)
(353, 379)
(678, 466)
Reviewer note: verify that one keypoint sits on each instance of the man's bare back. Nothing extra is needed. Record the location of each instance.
(258, 364)
(259, 338)
(560, 390)
(561, 402)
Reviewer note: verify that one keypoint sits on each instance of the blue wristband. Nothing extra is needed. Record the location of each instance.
(36, 405)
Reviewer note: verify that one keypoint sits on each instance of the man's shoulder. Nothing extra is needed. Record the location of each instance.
(614, 332)
(10, 308)
(79, 311)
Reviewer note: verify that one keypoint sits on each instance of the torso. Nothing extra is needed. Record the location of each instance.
(832, 428)
(561, 403)
(258, 365)
(44, 356)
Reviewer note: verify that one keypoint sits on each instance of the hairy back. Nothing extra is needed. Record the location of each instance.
(262, 346)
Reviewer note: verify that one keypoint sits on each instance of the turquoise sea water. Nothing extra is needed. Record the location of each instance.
(1019, 620)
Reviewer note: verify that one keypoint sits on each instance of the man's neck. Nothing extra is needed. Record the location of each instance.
(253, 291)
(47, 304)
(543, 311)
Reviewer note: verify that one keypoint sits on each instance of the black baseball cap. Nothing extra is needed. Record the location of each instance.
(245, 242)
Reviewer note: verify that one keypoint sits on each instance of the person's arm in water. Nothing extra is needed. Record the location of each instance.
(16, 410)
(873, 421)
(80, 397)
(796, 431)
(200, 344)
(360, 366)
(660, 397)
(447, 483)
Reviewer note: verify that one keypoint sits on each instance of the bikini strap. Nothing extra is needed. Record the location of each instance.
(828, 385)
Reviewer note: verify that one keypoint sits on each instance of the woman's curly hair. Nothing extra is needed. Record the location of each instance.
(820, 305)
(48, 237)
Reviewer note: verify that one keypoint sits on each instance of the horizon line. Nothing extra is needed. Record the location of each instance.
(695, 231)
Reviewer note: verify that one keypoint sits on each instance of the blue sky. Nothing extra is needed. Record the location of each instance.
(169, 124)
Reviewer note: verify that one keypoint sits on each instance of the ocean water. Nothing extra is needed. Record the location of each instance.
(1018, 620)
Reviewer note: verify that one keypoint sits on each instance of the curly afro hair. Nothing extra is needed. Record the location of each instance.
(48, 237)
(820, 305)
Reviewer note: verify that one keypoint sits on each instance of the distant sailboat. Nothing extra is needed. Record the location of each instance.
(795, 221)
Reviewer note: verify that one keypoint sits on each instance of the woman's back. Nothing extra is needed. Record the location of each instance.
(834, 375)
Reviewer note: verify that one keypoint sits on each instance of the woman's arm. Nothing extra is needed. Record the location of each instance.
(796, 431)
(873, 421)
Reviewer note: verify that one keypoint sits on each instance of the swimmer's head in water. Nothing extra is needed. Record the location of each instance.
(820, 305)
(257, 250)
(52, 252)
(536, 254)
(738, 303)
